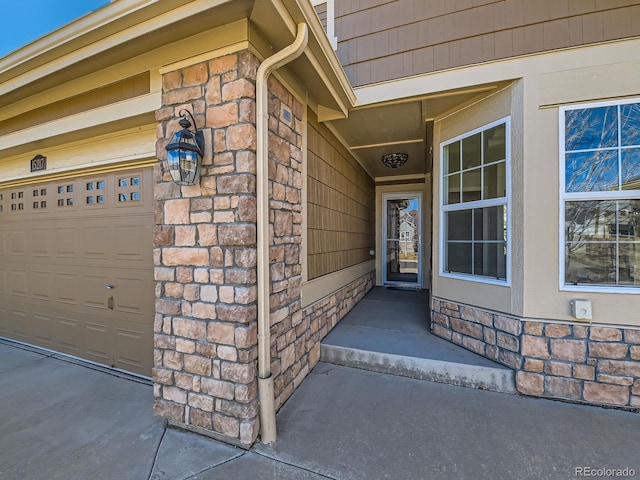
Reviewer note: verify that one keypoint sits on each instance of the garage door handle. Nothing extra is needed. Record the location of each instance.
(110, 303)
(109, 287)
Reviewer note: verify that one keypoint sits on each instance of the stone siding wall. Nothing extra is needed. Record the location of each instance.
(590, 364)
(582, 363)
(286, 128)
(488, 334)
(205, 256)
(316, 321)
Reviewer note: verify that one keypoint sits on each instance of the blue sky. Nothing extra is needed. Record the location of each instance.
(27, 20)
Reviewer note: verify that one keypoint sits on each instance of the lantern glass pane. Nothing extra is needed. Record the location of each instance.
(183, 166)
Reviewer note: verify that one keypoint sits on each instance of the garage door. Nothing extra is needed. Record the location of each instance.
(76, 267)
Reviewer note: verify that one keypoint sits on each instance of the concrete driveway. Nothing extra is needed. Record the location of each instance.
(64, 420)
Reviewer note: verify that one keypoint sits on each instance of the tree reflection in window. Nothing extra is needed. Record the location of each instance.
(602, 195)
(602, 148)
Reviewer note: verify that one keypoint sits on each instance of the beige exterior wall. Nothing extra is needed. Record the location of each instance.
(99, 101)
(381, 40)
(506, 297)
(546, 92)
(115, 92)
(549, 81)
(340, 196)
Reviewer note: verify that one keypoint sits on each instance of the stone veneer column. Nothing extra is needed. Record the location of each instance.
(205, 256)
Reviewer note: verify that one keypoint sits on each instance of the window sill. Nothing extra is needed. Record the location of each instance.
(598, 289)
(475, 279)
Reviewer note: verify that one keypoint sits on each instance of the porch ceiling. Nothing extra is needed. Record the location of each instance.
(403, 126)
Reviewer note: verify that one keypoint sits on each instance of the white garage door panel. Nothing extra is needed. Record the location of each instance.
(76, 267)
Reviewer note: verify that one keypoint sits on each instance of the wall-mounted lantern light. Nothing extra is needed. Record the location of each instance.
(185, 151)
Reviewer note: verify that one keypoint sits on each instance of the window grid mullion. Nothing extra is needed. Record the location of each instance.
(619, 152)
(473, 241)
(617, 227)
(460, 182)
(482, 166)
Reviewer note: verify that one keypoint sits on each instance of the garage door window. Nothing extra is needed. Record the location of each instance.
(95, 192)
(65, 195)
(129, 189)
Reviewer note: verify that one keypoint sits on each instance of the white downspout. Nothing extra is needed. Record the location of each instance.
(265, 380)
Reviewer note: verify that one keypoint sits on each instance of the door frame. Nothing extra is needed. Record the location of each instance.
(395, 196)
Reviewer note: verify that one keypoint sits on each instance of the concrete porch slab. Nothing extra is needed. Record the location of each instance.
(254, 466)
(388, 332)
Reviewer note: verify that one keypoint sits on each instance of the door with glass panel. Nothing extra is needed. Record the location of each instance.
(402, 263)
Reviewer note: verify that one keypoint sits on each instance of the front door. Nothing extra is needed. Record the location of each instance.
(402, 250)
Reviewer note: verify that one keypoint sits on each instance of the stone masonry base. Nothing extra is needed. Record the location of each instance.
(318, 319)
(581, 363)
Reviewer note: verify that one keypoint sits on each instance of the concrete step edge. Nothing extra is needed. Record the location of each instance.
(484, 378)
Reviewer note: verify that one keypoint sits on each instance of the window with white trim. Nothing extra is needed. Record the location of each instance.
(600, 195)
(475, 203)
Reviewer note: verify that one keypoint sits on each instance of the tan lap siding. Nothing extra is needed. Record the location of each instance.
(341, 202)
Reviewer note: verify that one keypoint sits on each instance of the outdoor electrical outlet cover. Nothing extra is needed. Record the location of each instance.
(581, 309)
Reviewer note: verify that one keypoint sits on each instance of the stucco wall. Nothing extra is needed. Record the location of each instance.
(545, 94)
(505, 297)
(547, 82)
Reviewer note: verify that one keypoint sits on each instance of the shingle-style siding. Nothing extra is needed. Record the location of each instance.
(382, 40)
(321, 10)
(341, 203)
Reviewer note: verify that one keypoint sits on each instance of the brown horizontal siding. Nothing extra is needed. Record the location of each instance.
(341, 205)
(115, 92)
(383, 40)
